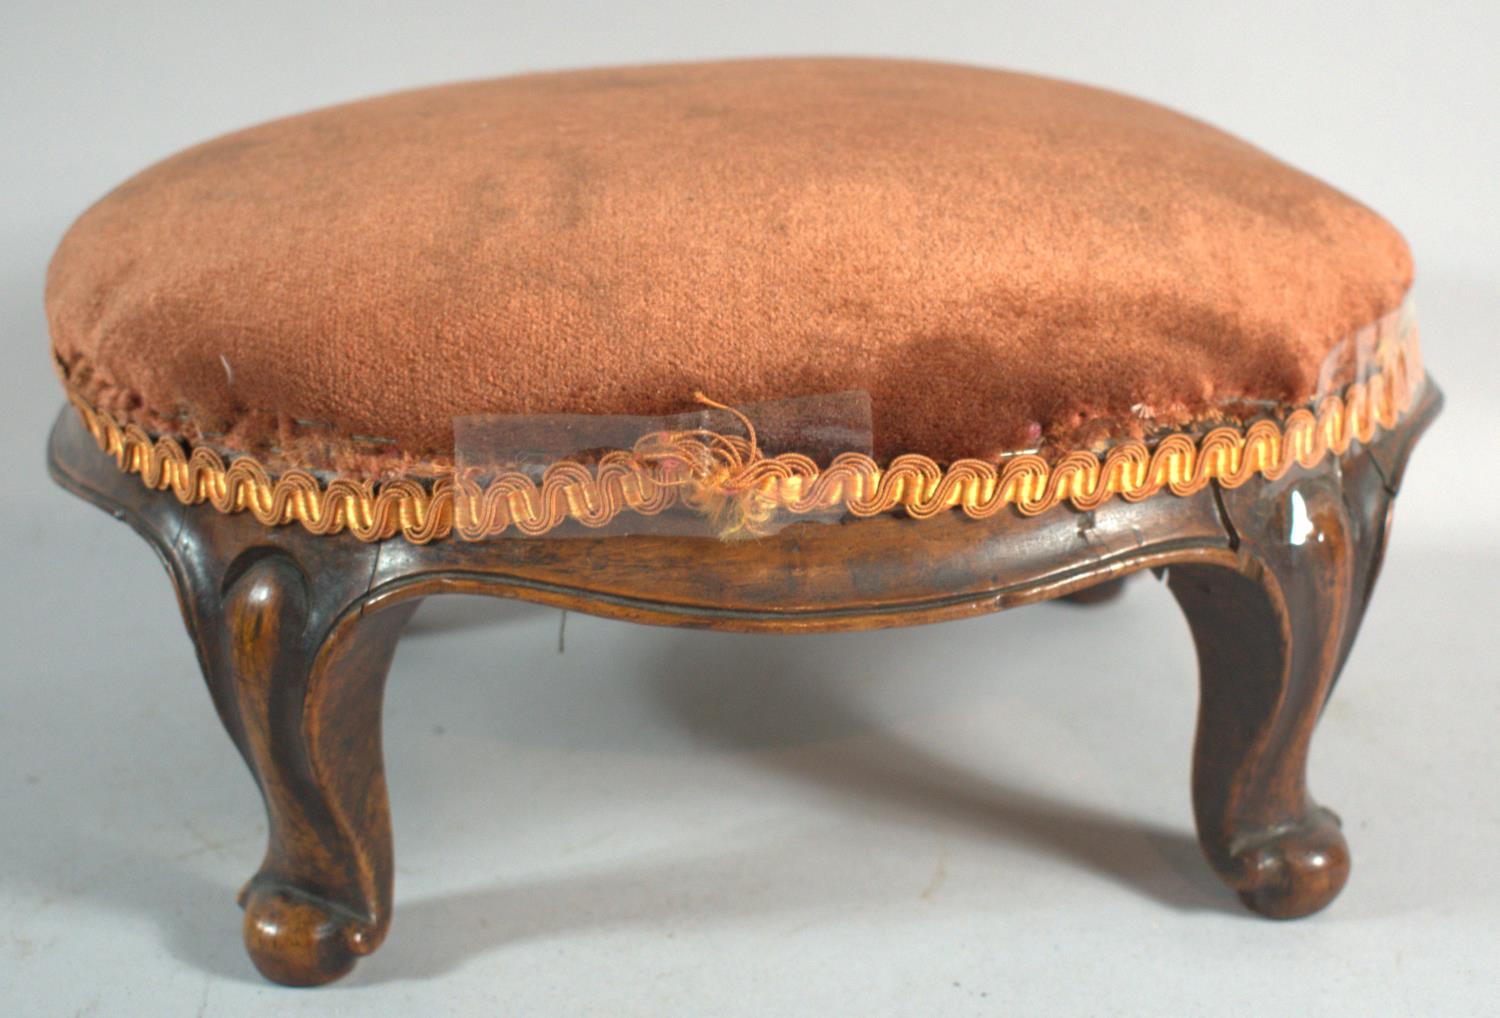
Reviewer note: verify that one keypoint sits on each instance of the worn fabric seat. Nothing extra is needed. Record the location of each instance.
(1002, 262)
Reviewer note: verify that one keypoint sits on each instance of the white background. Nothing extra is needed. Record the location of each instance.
(985, 817)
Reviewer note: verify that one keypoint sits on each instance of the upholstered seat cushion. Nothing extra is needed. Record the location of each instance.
(1001, 261)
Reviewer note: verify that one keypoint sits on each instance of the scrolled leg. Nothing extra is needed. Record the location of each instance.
(1272, 623)
(298, 674)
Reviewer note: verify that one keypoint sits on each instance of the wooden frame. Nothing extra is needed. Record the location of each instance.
(295, 633)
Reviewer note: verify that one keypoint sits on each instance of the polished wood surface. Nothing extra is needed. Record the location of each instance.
(295, 634)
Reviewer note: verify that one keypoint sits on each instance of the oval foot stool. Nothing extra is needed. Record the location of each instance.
(780, 346)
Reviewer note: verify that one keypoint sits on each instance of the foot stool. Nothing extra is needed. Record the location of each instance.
(778, 346)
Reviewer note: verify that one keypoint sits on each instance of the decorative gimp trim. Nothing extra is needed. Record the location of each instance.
(739, 490)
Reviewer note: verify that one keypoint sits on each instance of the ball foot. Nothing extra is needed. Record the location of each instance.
(1293, 871)
(298, 939)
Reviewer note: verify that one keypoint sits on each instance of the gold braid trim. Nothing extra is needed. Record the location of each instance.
(726, 478)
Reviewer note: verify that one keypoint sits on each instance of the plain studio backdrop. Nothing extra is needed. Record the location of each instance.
(983, 817)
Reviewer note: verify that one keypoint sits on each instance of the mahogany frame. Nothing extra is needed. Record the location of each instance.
(295, 634)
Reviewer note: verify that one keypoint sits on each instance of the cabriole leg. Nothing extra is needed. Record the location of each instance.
(298, 674)
(1272, 628)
